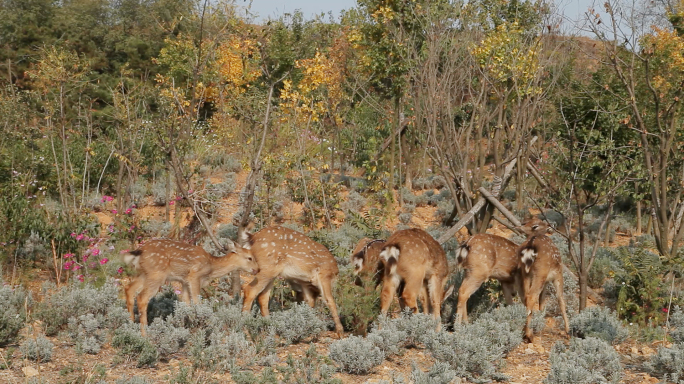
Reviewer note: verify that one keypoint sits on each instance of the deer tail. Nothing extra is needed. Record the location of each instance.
(133, 258)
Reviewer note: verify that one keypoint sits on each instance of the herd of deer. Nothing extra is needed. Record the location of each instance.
(410, 262)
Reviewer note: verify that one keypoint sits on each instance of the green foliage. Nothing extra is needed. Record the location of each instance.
(358, 304)
(589, 360)
(639, 287)
(439, 373)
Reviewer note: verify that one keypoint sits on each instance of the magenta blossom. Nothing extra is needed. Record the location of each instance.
(96, 252)
(85, 257)
(68, 264)
(80, 278)
(104, 261)
(80, 237)
(114, 211)
(68, 255)
(171, 202)
(73, 234)
(106, 198)
(178, 291)
(76, 267)
(190, 191)
(128, 211)
(120, 270)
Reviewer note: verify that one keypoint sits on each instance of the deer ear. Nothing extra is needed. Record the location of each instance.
(247, 240)
(231, 247)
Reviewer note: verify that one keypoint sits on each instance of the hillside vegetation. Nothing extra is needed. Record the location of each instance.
(194, 120)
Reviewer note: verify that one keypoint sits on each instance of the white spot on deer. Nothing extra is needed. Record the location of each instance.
(272, 243)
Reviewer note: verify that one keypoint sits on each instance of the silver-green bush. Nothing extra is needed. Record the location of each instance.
(131, 343)
(356, 355)
(13, 302)
(439, 373)
(584, 361)
(38, 349)
(87, 332)
(298, 323)
(167, 338)
(598, 322)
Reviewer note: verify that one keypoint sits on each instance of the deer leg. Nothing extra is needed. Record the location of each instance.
(185, 295)
(195, 289)
(470, 284)
(309, 295)
(542, 297)
(435, 293)
(558, 283)
(150, 289)
(389, 287)
(508, 291)
(532, 303)
(264, 297)
(425, 298)
(326, 290)
(260, 282)
(131, 291)
(412, 289)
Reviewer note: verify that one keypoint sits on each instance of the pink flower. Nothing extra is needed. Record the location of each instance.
(665, 310)
(68, 264)
(104, 261)
(171, 202)
(85, 257)
(128, 211)
(96, 252)
(80, 278)
(178, 291)
(190, 191)
(106, 198)
(125, 251)
(76, 267)
(132, 227)
(120, 270)
(114, 211)
(80, 237)
(68, 255)
(73, 234)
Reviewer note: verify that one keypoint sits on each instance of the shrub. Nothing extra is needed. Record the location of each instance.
(312, 368)
(158, 190)
(405, 217)
(444, 209)
(356, 355)
(33, 248)
(585, 361)
(221, 352)
(13, 302)
(437, 181)
(677, 323)
(192, 316)
(476, 350)
(167, 338)
(59, 305)
(162, 304)
(340, 241)
(598, 322)
(38, 349)
(134, 380)
(439, 373)
(355, 202)
(131, 343)
(668, 363)
(570, 288)
(358, 305)
(87, 332)
(297, 323)
(156, 228)
(138, 191)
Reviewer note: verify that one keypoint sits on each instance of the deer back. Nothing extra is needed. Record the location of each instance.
(496, 254)
(411, 249)
(289, 253)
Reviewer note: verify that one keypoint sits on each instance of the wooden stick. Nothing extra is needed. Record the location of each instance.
(495, 202)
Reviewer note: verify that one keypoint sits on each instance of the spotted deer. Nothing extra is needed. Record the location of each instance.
(158, 261)
(414, 258)
(482, 257)
(540, 263)
(305, 264)
(366, 260)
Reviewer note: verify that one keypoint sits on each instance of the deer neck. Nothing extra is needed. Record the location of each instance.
(221, 266)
